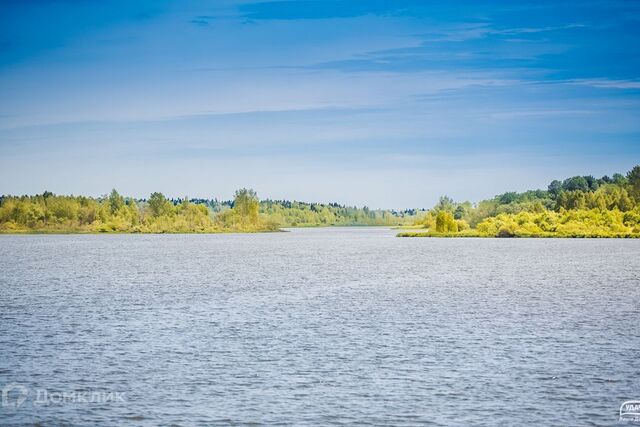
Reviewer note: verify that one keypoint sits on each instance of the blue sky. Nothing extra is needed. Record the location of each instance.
(383, 103)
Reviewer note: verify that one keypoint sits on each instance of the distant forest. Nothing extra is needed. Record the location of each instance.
(579, 206)
(48, 212)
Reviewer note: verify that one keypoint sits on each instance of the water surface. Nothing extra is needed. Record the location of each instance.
(319, 326)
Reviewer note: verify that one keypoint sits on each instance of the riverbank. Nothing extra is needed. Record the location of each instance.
(549, 235)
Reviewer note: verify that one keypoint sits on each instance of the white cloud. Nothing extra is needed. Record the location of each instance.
(606, 83)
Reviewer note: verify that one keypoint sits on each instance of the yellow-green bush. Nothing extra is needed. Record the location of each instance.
(566, 223)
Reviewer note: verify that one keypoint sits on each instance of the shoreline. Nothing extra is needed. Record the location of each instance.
(532, 236)
(283, 229)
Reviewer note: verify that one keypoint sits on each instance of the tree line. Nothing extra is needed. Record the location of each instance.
(48, 212)
(579, 206)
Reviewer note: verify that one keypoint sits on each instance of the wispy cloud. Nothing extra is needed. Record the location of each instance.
(202, 20)
(533, 30)
(604, 83)
(319, 9)
(457, 33)
(507, 115)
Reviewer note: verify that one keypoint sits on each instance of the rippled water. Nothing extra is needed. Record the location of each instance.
(318, 326)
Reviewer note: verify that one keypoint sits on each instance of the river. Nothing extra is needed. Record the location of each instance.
(317, 326)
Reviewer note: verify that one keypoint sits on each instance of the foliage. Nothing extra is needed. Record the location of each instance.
(114, 213)
(566, 223)
(51, 213)
(633, 178)
(445, 222)
(580, 206)
(300, 214)
(245, 214)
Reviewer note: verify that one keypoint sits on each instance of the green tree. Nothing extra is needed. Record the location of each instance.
(574, 183)
(158, 204)
(572, 200)
(619, 179)
(246, 204)
(445, 203)
(555, 188)
(460, 212)
(507, 198)
(633, 178)
(116, 201)
(592, 182)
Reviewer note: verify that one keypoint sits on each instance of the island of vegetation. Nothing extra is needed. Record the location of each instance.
(580, 206)
(50, 213)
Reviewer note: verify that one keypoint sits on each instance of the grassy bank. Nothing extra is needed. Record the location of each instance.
(476, 233)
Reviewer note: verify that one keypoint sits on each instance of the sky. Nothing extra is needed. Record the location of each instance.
(388, 104)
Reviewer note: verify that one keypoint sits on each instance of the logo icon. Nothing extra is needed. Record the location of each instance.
(14, 395)
(630, 411)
